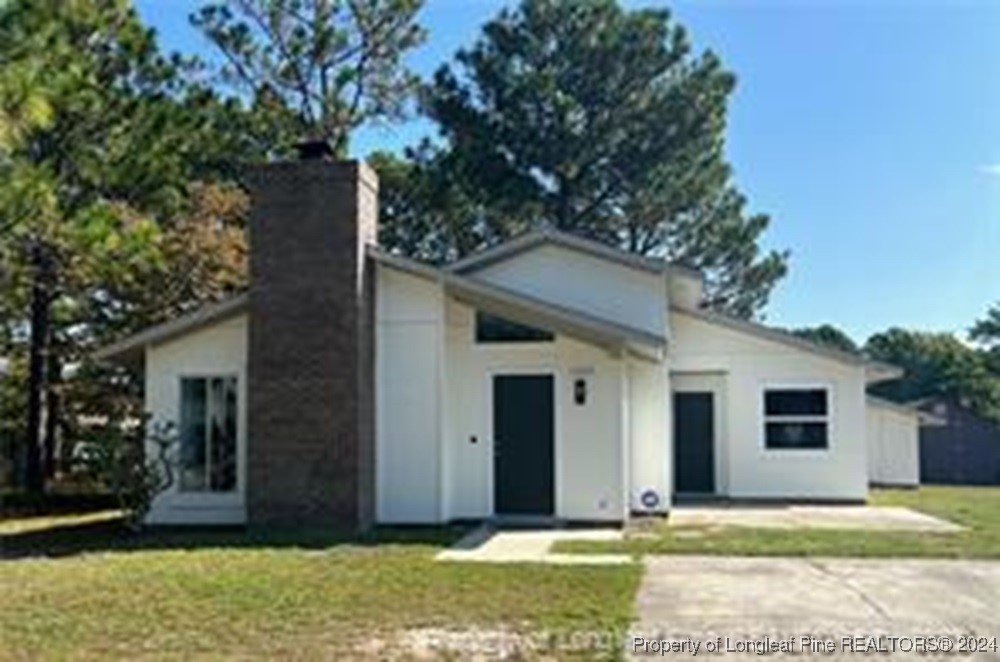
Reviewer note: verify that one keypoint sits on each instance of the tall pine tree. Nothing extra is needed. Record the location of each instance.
(315, 69)
(586, 117)
(101, 136)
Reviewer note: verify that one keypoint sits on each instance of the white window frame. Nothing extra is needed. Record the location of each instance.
(797, 418)
(207, 377)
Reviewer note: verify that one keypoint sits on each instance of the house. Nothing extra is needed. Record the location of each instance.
(548, 377)
(957, 445)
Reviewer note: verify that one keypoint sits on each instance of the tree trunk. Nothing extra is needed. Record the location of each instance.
(53, 406)
(34, 480)
(562, 210)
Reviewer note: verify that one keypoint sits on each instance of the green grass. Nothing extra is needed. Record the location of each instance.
(977, 508)
(178, 594)
(78, 587)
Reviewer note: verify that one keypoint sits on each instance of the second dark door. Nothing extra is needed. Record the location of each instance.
(694, 439)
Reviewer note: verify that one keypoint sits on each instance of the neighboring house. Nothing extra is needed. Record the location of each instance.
(957, 446)
(893, 444)
(549, 377)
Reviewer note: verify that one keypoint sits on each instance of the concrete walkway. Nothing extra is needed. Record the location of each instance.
(876, 518)
(488, 545)
(697, 598)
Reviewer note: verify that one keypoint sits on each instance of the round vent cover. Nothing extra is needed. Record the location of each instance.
(650, 499)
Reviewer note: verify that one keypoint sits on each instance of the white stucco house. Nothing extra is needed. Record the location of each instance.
(549, 377)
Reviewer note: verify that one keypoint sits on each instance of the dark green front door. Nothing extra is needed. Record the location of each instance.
(694, 439)
(523, 435)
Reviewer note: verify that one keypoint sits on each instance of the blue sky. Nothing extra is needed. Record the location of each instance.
(868, 130)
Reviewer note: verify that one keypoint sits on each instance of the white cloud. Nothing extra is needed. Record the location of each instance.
(991, 169)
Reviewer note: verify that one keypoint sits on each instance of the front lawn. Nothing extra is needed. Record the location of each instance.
(977, 508)
(102, 593)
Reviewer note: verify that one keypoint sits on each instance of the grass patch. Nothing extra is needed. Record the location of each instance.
(977, 508)
(101, 592)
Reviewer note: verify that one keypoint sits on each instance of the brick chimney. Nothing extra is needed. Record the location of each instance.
(310, 442)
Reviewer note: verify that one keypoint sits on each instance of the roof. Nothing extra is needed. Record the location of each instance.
(567, 320)
(894, 406)
(878, 371)
(132, 345)
(525, 309)
(535, 238)
(487, 297)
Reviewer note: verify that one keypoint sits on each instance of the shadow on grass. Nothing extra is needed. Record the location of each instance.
(111, 535)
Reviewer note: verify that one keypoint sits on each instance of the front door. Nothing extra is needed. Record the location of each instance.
(523, 436)
(694, 439)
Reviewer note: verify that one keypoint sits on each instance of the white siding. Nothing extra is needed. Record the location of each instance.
(589, 455)
(217, 350)
(649, 407)
(893, 446)
(749, 364)
(586, 283)
(408, 412)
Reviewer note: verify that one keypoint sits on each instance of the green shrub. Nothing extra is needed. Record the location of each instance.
(116, 456)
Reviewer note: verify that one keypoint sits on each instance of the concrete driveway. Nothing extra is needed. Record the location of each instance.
(698, 599)
(792, 516)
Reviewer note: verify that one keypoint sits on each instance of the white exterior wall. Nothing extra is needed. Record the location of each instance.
(590, 453)
(217, 350)
(649, 433)
(893, 446)
(686, 290)
(583, 282)
(409, 366)
(747, 364)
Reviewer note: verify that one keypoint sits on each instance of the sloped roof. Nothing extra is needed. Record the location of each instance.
(132, 346)
(490, 298)
(550, 317)
(877, 370)
(526, 309)
(535, 238)
(894, 406)
(522, 308)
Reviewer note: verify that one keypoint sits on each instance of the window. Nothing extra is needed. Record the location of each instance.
(208, 434)
(490, 328)
(796, 418)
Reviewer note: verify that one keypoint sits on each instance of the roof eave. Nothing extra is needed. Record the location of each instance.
(533, 238)
(132, 348)
(875, 371)
(893, 406)
(558, 319)
(528, 310)
(405, 264)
